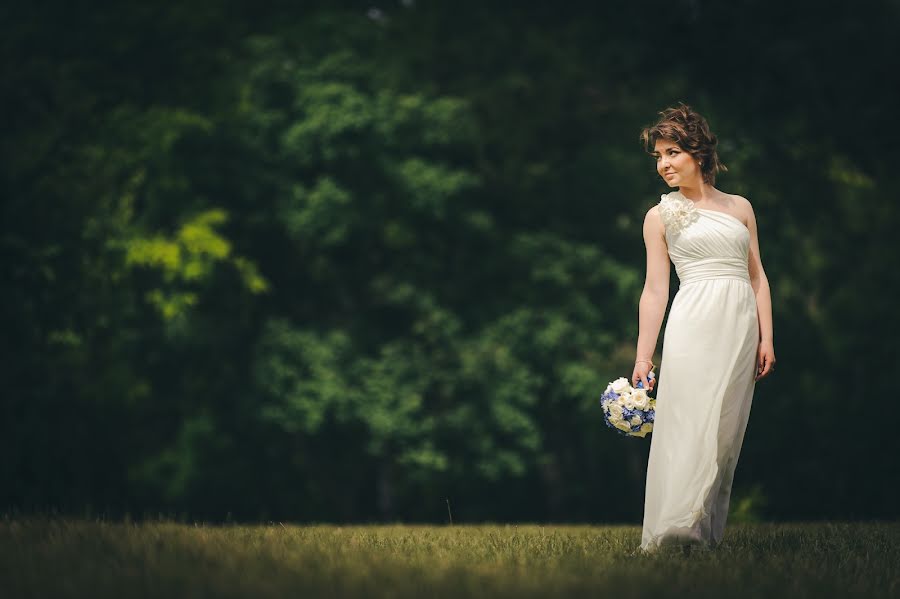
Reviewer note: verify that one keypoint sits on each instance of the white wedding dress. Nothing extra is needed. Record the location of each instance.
(706, 378)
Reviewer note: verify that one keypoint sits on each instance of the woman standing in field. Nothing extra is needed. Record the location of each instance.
(718, 339)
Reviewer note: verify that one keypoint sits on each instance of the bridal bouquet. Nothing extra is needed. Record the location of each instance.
(627, 409)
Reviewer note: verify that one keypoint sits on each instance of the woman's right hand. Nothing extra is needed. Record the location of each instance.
(641, 370)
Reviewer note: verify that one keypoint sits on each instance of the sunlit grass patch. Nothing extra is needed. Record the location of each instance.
(44, 558)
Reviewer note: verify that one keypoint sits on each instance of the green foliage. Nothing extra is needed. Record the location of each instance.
(177, 467)
(188, 259)
(387, 184)
(747, 506)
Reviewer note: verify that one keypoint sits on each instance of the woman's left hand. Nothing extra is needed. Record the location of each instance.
(765, 359)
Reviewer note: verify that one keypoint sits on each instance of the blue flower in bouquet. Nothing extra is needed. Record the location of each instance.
(629, 410)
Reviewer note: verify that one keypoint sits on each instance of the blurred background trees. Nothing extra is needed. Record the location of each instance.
(347, 263)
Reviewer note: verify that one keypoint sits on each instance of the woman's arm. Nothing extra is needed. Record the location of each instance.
(760, 283)
(655, 296)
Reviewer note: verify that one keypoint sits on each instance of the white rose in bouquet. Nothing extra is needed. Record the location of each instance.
(615, 411)
(624, 426)
(620, 385)
(640, 399)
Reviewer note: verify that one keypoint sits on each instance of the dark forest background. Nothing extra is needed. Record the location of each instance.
(349, 262)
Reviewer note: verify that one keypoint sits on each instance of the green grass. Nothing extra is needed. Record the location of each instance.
(65, 558)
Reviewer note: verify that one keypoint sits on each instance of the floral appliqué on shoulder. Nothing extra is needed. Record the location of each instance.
(676, 211)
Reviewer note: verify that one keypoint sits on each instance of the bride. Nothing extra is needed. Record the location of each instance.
(718, 338)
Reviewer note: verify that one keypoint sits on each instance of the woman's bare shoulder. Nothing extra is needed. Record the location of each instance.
(653, 217)
(742, 205)
(740, 201)
(653, 221)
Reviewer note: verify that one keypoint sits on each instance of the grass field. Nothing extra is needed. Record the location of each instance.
(65, 558)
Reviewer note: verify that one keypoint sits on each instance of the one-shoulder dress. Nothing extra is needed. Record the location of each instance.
(706, 378)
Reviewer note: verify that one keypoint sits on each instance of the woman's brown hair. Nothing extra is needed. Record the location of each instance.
(687, 128)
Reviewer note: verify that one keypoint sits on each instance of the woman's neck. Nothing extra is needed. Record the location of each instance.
(697, 193)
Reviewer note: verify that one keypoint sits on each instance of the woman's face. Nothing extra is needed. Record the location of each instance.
(676, 166)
